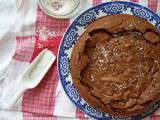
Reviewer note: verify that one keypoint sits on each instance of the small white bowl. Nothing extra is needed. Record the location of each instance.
(47, 10)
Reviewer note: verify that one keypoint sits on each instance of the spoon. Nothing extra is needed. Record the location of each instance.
(33, 75)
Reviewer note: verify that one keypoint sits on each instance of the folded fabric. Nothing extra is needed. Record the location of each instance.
(35, 31)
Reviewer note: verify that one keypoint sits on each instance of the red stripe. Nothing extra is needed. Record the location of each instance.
(31, 116)
(134, 1)
(80, 115)
(41, 100)
(96, 2)
(24, 48)
(154, 117)
(57, 25)
(152, 4)
(116, 0)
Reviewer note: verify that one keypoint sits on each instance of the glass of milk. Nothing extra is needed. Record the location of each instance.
(61, 8)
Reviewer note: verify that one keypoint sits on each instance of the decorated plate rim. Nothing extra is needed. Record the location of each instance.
(71, 26)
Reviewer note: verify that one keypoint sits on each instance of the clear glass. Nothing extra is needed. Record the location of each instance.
(62, 8)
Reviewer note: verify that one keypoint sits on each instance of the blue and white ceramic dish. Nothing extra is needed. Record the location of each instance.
(74, 32)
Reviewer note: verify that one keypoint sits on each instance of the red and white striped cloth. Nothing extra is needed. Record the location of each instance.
(36, 31)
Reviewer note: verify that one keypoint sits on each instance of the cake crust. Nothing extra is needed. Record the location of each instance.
(115, 64)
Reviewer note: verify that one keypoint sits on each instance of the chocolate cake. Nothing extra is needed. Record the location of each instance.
(115, 64)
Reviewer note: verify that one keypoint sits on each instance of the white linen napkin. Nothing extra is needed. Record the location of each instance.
(7, 40)
(7, 36)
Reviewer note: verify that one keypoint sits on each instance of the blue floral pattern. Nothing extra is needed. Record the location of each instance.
(73, 93)
(92, 111)
(140, 12)
(87, 18)
(72, 35)
(114, 8)
(64, 67)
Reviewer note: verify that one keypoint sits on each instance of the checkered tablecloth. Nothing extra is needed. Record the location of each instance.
(36, 31)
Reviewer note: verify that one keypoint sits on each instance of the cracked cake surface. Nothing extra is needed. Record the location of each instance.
(115, 64)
